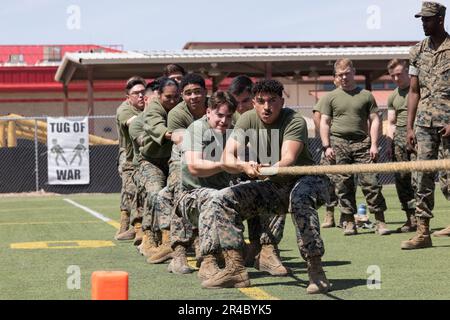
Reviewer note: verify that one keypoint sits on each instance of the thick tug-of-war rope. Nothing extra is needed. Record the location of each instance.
(390, 167)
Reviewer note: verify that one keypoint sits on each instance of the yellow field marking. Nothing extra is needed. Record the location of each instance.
(114, 223)
(192, 262)
(257, 294)
(74, 244)
(46, 222)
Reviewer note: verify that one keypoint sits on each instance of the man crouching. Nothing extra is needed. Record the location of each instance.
(278, 137)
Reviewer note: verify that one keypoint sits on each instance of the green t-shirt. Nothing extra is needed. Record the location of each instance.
(155, 126)
(123, 114)
(319, 105)
(179, 118)
(349, 112)
(264, 141)
(398, 101)
(235, 118)
(200, 137)
(137, 133)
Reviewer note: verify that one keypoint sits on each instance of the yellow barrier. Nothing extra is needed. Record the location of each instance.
(25, 129)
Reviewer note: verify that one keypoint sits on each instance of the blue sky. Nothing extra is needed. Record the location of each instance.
(161, 25)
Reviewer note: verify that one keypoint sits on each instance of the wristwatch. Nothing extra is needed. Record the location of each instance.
(324, 148)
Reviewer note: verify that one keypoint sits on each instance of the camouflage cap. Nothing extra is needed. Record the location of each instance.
(430, 9)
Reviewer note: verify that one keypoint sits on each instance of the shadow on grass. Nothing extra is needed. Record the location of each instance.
(302, 265)
(337, 284)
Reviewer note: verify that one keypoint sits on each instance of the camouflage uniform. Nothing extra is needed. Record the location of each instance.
(349, 112)
(222, 216)
(354, 151)
(433, 113)
(154, 159)
(405, 182)
(128, 190)
(160, 204)
(444, 176)
(196, 191)
(123, 114)
(325, 162)
(331, 186)
(185, 213)
(152, 175)
(220, 221)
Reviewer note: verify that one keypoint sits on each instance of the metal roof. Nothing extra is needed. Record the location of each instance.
(230, 62)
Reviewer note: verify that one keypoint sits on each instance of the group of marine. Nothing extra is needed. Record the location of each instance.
(191, 164)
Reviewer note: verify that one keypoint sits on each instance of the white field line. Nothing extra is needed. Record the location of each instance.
(92, 212)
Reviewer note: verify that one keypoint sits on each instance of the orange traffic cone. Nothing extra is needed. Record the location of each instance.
(109, 285)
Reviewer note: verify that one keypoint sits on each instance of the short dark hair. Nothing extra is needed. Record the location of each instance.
(395, 62)
(240, 84)
(173, 68)
(222, 97)
(134, 81)
(164, 82)
(268, 86)
(192, 78)
(153, 85)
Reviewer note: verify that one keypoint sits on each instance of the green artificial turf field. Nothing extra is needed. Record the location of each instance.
(38, 244)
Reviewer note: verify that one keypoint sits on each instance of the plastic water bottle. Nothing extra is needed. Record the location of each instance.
(362, 209)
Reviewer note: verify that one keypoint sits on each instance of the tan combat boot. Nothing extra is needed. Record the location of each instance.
(251, 251)
(198, 254)
(139, 233)
(148, 245)
(179, 264)
(318, 282)
(442, 233)
(208, 267)
(164, 251)
(410, 224)
(268, 260)
(328, 222)
(380, 224)
(349, 225)
(422, 238)
(124, 233)
(233, 276)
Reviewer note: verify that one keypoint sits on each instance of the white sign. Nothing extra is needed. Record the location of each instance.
(67, 151)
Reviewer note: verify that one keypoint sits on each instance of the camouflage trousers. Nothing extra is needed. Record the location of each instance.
(150, 177)
(220, 221)
(405, 182)
(429, 140)
(444, 176)
(348, 152)
(160, 204)
(128, 189)
(332, 187)
(254, 227)
(185, 213)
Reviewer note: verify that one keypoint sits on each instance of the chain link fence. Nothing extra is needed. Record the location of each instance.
(23, 156)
